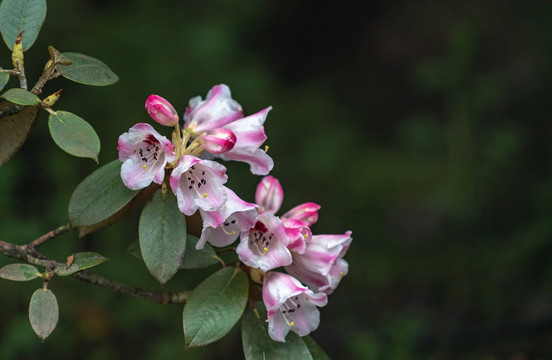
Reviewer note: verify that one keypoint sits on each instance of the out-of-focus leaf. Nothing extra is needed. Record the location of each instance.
(81, 261)
(215, 306)
(74, 135)
(87, 70)
(162, 236)
(315, 350)
(43, 312)
(21, 97)
(257, 344)
(19, 272)
(99, 196)
(4, 78)
(21, 15)
(14, 129)
(197, 259)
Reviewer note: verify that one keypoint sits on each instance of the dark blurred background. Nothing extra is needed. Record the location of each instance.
(422, 126)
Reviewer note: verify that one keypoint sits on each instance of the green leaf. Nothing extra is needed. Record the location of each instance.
(134, 250)
(99, 196)
(14, 129)
(315, 350)
(74, 135)
(4, 78)
(257, 344)
(197, 259)
(19, 272)
(87, 70)
(43, 312)
(82, 260)
(162, 236)
(21, 15)
(21, 97)
(215, 306)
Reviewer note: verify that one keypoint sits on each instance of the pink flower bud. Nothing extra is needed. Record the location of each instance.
(269, 194)
(306, 213)
(161, 110)
(218, 141)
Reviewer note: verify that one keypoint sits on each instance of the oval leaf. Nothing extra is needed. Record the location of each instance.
(19, 272)
(87, 70)
(14, 129)
(215, 306)
(74, 135)
(21, 15)
(258, 345)
(81, 261)
(21, 97)
(99, 196)
(197, 259)
(4, 78)
(162, 236)
(43, 312)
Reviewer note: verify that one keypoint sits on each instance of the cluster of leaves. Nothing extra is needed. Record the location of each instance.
(215, 306)
(20, 23)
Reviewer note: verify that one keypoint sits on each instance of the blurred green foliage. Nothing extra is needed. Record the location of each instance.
(420, 126)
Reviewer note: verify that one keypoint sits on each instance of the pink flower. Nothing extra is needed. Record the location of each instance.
(144, 153)
(321, 266)
(290, 306)
(250, 136)
(219, 110)
(264, 246)
(269, 195)
(306, 213)
(218, 140)
(161, 110)
(222, 227)
(198, 183)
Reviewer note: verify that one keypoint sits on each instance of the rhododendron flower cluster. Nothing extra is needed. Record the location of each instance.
(216, 128)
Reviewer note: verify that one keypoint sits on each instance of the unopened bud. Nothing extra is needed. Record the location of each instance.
(306, 213)
(17, 54)
(161, 110)
(51, 100)
(269, 194)
(218, 141)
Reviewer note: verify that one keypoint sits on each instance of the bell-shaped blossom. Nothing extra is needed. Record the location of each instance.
(250, 136)
(144, 153)
(222, 227)
(264, 246)
(269, 195)
(217, 110)
(217, 141)
(321, 266)
(299, 234)
(198, 184)
(161, 110)
(290, 306)
(306, 213)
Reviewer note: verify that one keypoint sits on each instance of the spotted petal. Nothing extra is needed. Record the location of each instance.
(198, 184)
(265, 245)
(222, 227)
(290, 306)
(144, 153)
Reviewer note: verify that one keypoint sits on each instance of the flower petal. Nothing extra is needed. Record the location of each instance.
(217, 110)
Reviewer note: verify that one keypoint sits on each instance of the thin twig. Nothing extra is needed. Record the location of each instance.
(30, 255)
(49, 235)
